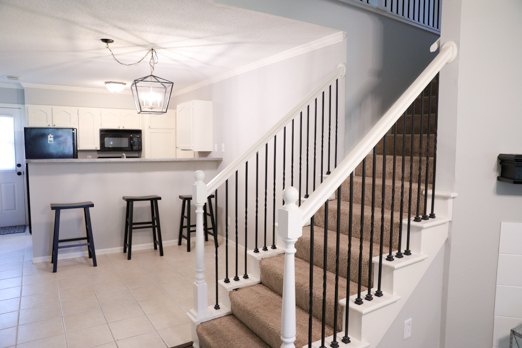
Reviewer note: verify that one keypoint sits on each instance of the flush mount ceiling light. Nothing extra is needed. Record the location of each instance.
(115, 86)
(151, 93)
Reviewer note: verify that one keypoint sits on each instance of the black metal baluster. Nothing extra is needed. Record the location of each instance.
(346, 338)
(435, 138)
(329, 126)
(438, 14)
(311, 283)
(216, 306)
(322, 140)
(334, 343)
(390, 254)
(336, 119)
(245, 276)
(307, 146)
(256, 250)
(379, 293)
(413, 12)
(300, 153)
(419, 183)
(403, 8)
(369, 296)
(266, 194)
(425, 216)
(236, 277)
(408, 251)
(274, 196)
(325, 262)
(315, 145)
(227, 280)
(359, 300)
(403, 164)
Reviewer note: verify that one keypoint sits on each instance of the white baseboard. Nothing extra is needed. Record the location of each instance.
(63, 256)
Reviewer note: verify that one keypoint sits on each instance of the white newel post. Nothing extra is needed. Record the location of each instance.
(199, 196)
(290, 229)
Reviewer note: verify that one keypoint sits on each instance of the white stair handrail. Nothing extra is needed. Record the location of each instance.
(238, 163)
(446, 55)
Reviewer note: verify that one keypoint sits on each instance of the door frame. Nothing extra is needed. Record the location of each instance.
(21, 157)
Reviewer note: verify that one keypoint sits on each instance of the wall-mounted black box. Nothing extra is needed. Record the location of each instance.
(510, 168)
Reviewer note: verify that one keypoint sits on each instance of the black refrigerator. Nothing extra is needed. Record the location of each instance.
(50, 143)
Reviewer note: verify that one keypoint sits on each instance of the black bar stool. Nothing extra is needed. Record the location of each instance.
(130, 225)
(185, 215)
(57, 207)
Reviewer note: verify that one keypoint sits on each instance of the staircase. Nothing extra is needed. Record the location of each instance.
(362, 255)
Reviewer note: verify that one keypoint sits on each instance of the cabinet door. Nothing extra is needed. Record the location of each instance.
(111, 119)
(162, 143)
(89, 129)
(65, 116)
(39, 116)
(184, 129)
(163, 121)
(131, 119)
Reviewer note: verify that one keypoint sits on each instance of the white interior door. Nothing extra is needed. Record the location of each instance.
(12, 168)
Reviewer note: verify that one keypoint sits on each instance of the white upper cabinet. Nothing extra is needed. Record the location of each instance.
(111, 118)
(194, 126)
(89, 129)
(39, 116)
(131, 119)
(52, 116)
(64, 116)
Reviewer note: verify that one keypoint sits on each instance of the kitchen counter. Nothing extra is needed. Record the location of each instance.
(124, 160)
(105, 182)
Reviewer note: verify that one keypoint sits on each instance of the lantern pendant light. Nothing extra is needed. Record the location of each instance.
(151, 93)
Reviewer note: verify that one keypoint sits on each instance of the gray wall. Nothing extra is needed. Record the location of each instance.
(383, 55)
(11, 96)
(479, 119)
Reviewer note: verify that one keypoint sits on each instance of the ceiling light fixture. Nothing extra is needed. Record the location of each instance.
(151, 93)
(115, 87)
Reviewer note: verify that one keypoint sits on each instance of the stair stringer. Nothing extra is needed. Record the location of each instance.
(370, 321)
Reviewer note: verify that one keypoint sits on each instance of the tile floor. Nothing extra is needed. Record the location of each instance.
(120, 303)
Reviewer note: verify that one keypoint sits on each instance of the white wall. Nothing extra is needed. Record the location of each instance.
(383, 56)
(247, 105)
(479, 119)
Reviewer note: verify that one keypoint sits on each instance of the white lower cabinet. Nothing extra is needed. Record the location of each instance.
(89, 123)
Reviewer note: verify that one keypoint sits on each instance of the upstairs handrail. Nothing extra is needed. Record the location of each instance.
(226, 173)
(447, 54)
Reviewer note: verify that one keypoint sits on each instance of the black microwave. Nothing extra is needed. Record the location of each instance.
(120, 140)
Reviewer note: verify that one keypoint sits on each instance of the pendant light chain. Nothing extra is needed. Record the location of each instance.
(152, 62)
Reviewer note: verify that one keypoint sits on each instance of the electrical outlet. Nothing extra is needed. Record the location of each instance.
(222, 147)
(407, 328)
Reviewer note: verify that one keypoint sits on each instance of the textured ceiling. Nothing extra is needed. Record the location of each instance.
(57, 42)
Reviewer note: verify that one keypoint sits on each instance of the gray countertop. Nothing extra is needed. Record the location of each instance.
(123, 160)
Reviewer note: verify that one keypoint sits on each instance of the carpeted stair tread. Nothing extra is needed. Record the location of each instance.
(398, 167)
(422, 105)
(357, 192)
(272, 272)
(227, 332)
(416, 145)
(303, 252)
(259, 308)
(416, 124)
(356, 224)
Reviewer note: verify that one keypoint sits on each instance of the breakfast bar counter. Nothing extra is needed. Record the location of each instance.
(105, 182)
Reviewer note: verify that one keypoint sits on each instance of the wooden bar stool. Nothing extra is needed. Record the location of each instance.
(130, 225)
(57, 207)
(185, 215)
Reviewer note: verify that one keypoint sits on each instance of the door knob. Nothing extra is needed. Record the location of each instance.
(18, 165)
(18, 173)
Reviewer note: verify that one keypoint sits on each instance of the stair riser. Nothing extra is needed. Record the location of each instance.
(398, 168)
(416, 145)
(356, 228)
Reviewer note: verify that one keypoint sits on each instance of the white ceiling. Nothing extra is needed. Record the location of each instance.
(57, 42)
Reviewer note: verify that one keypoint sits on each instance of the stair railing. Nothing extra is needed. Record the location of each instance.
(292, 218)
(317, 103)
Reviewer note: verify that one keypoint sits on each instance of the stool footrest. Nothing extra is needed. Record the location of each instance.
(141, 227)
(72, 245)
(71, 239)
